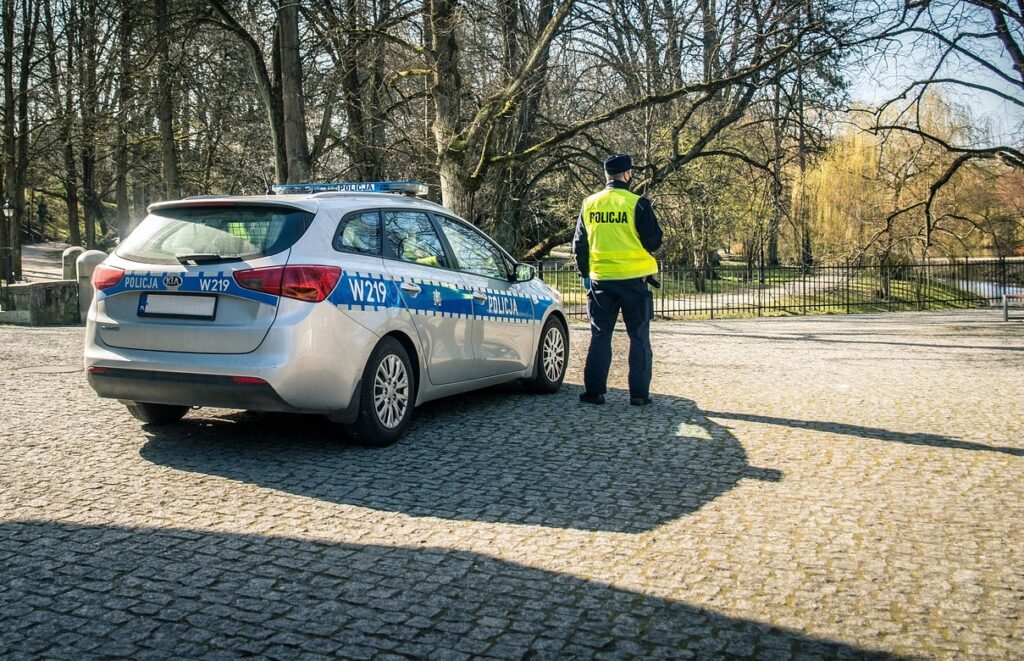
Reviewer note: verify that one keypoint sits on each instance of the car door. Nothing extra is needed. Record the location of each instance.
(434, 294)
(503, 336)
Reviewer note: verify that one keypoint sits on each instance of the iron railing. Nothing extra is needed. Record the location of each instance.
(734, 290)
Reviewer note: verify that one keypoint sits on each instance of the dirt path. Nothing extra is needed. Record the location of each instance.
(42, 261)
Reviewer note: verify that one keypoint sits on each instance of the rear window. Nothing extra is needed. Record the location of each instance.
(212, 234)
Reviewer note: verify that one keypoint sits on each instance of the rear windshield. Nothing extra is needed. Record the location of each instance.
(211, 234)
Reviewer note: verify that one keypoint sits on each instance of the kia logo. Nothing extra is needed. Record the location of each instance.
(172, 280)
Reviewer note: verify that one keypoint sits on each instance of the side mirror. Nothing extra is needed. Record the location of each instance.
(525, 272)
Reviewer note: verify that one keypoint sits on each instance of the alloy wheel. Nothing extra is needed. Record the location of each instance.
(391, 391)
(554, 354)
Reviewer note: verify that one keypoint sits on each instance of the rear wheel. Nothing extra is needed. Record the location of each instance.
(387, 397)
(552, 358)
(156, 414)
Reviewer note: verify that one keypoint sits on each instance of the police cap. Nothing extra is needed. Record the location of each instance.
(618, 164)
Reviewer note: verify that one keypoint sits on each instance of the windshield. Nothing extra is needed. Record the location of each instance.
(209, 234)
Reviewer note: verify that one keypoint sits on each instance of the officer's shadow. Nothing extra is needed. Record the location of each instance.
(498, 455)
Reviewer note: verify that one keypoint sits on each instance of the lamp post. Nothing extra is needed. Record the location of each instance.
(8, 215)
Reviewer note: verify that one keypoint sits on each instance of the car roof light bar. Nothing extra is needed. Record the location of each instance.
(400, 187)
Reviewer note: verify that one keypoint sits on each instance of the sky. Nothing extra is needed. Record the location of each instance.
(884, 74)
(873, 86)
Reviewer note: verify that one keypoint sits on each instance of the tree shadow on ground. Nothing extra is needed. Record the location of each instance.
(495, 456)
(96, 591)
(874, 433)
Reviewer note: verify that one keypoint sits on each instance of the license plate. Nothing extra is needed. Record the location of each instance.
(177, 305)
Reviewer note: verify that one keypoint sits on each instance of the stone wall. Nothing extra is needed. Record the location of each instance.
(40, 303)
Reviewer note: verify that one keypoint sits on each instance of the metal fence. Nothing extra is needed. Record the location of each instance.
(734, 290)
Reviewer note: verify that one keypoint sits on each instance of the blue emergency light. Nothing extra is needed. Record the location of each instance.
(401, 187)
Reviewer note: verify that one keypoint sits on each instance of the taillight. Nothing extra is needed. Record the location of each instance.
(309, 283)
(266, 280)
(302, 282)
(105, 277)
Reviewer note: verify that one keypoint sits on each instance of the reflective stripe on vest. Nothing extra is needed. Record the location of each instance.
(615, 249)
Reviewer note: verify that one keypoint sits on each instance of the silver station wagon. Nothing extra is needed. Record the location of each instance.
(356, 301)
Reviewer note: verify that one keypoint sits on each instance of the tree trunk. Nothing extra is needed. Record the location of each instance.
(353, 96)
(30, 23)
(125, 93)
(456, 194)
(511, 204)
(10, 144)
(361, 63)
(775, 221)
(803, 213)
(377, 119)
(88, 101)
(165, 104)
(276, 107)
(16, 115)
(699, 236)
(269, 88)
(710, 42)
(64, 100)
(138, 196)
(293, 109)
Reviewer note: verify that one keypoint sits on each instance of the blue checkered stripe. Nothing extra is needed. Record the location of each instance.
(191, 283)
(376, 291)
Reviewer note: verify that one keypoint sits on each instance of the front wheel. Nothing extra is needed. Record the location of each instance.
(552, 358)
(387, 397)
(156, 414)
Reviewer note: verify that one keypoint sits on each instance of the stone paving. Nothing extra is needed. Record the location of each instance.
(813, 487)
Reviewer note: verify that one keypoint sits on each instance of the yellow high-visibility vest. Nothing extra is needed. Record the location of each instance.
(615, 249)
(237, 229)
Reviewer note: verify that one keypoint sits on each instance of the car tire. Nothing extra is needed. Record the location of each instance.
(552, 359)
(387, 398)
(156, 414)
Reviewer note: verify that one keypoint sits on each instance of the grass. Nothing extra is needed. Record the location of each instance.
(864, 295)
(675, 284)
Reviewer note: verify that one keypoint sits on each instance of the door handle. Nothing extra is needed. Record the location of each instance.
(479, 297)
(411, 287)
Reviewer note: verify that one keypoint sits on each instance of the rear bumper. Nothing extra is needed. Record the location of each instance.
(199, 390)
(186, 390)
(312, 363)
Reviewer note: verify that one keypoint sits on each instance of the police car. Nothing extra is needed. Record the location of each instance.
(359, 301)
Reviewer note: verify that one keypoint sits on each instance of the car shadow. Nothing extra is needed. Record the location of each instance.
(103, 591)
(497, 455)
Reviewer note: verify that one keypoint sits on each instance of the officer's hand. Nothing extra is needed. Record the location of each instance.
(586, 284)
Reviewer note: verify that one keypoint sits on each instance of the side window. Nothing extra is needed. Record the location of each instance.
(474, 253)
(359, 232)
(410, 237)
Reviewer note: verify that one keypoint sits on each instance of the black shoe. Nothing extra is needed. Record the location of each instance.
(591, 398)
(639, 401)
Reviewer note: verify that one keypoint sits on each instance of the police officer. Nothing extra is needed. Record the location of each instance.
(615, 236)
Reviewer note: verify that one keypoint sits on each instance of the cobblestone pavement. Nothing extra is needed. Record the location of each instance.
(809, 487)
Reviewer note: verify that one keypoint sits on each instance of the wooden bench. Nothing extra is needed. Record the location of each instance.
(1006, 304)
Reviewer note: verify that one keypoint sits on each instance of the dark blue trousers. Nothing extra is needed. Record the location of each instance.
(604, 302)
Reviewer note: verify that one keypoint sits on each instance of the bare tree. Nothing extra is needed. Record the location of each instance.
(976, 48)
(269, 86)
